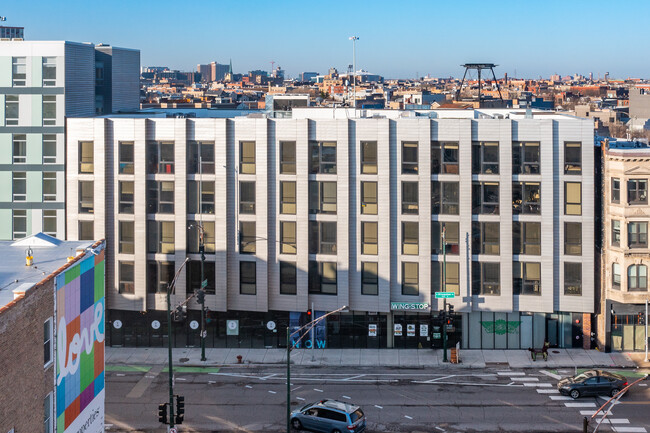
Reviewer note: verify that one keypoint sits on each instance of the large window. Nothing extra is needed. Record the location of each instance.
(193, 275)
(19, 185)
(573, 239)
(444, 158)
(444, 198)
(247, 157)
(485, 198)
(287, 157)
(159, 275)
(322, 237)
(322, 157)
(126, 237)
(572, 158)
(200, 157)
(160, 237)
(160, 157)
(451, 282)
(637, 191)
(247, 237)
(572, 198)
(485, 158)
(19, 148)
(288, 244)
(616, 276)
(288, 280)
(368, 157)
(369, 278)
(410, 278)
(485, 238)
(86, 157)
(410, 198)
(200, 197)
(527, 278)
(369, 242)
(526, 198)
(525, 158)
(452, 241)
(246, 197)
(49, 148)
(322, 197)
(49, 71)
(194, 237)
(125, 198)
(86, 197)
(637, 234)
(410, 237)
(410, 158)
(126, 277)
(616, 190)
(526, 238)
(160, 197)
(19, 219)
(11, 110)
(322, 278)
(126, 157)
(86, 230)
(369, 198)
(19, 71)
(49, 222)
(637, 278)
(288, 197)
(49, 110)
(47, 342)
(49, 186)
(572, 278)
(616, 233)
(486, 278)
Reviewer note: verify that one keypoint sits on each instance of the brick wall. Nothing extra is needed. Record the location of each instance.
(586, 331)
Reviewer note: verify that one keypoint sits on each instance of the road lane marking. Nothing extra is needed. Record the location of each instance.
(471, 383)
(525, 379)
(559, 397)
(379, 407)
(629, 429)
(438, 378)
(549, 374)
(180, 378)
(249, 387)
(548, 391)
(120, 374)
(272, 392)
(542, 385)
(408, 417)
(300, 398)
(296, 388)
(511, 373)
(441, 429)
(354, 377)
(345, 396)
(212, 381)
(269, 376)
(318, 390)
(580, 404)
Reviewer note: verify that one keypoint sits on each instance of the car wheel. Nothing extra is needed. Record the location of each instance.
(574, 394)
(614, 391)
(295, 423)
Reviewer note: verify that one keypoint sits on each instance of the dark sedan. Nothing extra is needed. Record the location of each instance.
(592, 382)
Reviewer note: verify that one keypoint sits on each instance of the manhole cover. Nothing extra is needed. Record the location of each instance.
(184, 359)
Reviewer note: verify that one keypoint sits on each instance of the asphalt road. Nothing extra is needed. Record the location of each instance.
(254, 400)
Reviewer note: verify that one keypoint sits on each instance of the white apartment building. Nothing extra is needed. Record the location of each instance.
(325, 209)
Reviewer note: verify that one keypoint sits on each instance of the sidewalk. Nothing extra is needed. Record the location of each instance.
(402, 358)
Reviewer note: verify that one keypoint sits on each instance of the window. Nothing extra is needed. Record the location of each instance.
(47, 342)
(49, 110)
(322, 197)
(410, 198)
(247, 157)
(125, 204)
(322, 237)
(616, 190)
(200, 157)
(288, 280)
(444, 198)
(444, 158)
(452, 240)
(126, 237)
(451, 277)
(160, 157)
(572, 278)
(637, 191)
(369, 243)
(485, 238)
(86, 230)
(200, 197)
(86, 157)
(410, 237)
(288, 243)
(368, 157)
(193, 275)
(49, 71)
(194, 237)
(616, 233)
(126, 157)
(160, 237)
(485, 158)
(246, 197)
(527, 278)
(49, 222)
(486, 278)
(637, 278)
(322, 157)
(322, 278)
(19, 183)
(287, 157)
(526, 238)
(19, 71)
(369, 198)
(485, 198)
(247, 237)
(19, 148)
(288, 198)
(126, 277)
(637, 234)
(48, 412)
(160, 197)
(159, 275)
(410, 278)
(525, 198)
(572, 198)
(11, 110)
(573, 239)
(525, 158)
(572, 158)
(49, 186)
(369, 278)
(410, 158)
(616, 276)
(49, 149)
(19, 223)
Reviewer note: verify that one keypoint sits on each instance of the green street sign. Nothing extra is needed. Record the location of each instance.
(442, 295)
(204, 284)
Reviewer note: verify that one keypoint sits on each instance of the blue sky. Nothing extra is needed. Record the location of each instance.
(397, 38)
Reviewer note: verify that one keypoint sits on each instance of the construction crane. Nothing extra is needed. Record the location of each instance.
(272, 62)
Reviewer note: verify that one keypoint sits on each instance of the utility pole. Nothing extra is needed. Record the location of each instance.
(444, 289)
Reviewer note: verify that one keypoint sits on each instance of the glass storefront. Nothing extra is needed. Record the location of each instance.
(628, 332)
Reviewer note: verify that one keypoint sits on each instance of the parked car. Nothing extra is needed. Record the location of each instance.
(592, 382)
(330, 416)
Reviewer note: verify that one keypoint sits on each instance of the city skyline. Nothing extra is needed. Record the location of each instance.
(553, 43)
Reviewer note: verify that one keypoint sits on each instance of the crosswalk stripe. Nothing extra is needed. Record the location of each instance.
(629, 429)
(559, 397)
(524, 379)
(580, 404)
(591, 412)
(619, 420)
(511, 373)
(542, 385)
(548, 391)
(553, 375)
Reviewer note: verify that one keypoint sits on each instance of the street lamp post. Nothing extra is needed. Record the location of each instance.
(200, 293)
(444, 289)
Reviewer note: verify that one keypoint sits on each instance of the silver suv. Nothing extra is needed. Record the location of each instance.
(330, 416)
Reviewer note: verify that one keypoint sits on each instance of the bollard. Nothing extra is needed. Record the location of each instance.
(585, 424)
(239, 358)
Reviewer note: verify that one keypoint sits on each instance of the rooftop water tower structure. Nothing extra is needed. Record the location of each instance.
(479, 67)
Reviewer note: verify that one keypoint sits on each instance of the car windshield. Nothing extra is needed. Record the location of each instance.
(354, 416)
(305, 407)
(585, 375)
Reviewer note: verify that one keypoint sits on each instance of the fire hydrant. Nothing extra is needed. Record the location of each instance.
(239, 358)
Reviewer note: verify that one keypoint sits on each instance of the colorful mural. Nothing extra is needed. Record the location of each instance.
(80, 346)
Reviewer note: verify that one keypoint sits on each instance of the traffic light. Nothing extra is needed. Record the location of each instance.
(308, 313)
(162, 413)
(200, 296)
(451, 309)
(180, 409)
